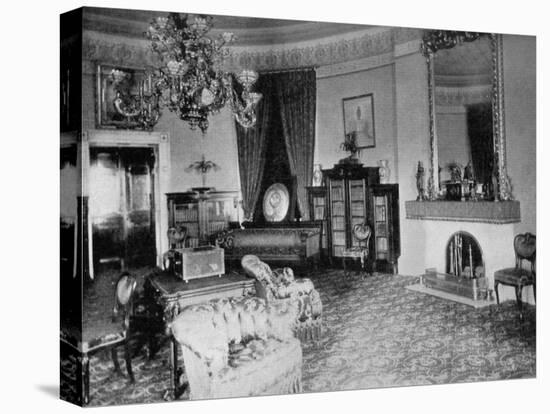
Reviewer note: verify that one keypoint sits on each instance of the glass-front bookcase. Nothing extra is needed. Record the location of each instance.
(384, 216)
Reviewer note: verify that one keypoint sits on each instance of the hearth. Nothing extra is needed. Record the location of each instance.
(464, 269)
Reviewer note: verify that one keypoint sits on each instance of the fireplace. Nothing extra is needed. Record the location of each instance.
(464, 271)
(433, 224)
(463, 256)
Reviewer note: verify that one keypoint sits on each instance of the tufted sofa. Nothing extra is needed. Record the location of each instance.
(299, 245)
(279, 285)
(238, 347)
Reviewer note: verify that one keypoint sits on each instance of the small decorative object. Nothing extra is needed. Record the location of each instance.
(192, 79)
(454, 191)
(469, 172)
(420, 182)
(359, 118)
(202, 167)
(317, 175)
(384, 171)
(455, 169)
(350, 145)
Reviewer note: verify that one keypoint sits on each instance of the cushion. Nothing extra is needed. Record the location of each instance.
(298, 287)
(514, 276)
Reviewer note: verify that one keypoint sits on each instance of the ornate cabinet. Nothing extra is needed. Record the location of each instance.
(204, 215)
(317, 197)
(384, 220)
(346, 187)
(354, 195)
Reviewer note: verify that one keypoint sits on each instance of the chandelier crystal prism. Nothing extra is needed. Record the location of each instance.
(191, 80)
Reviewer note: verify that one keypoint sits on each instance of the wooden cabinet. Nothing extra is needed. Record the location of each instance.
(317, 197)
(353, 196)
(384, 220)
(203, 215)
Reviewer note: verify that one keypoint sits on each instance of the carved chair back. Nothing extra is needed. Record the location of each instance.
(124, 293)
(362, 233)
(177, 237)
(525, 247)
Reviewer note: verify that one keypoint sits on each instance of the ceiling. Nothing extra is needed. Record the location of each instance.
(467, 63)
(249, 30)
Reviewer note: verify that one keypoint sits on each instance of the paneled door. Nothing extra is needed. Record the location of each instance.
(121, 202)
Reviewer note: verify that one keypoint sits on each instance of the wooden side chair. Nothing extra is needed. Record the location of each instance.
(361, 234)
(525, 248)
(109, 328)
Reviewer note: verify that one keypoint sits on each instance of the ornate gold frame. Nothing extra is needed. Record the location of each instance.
(435, 40)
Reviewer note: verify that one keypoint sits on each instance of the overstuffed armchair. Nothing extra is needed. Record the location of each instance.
(280, 285)
(238, 347)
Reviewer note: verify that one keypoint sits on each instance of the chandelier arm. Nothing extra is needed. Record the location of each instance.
(190, 74)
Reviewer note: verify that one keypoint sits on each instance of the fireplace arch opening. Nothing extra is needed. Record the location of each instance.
(463, 256)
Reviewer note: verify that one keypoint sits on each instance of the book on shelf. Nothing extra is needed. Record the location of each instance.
(381, 244)
(380, 213)
(319, 213)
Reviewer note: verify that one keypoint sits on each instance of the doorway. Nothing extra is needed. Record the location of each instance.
(121, 205)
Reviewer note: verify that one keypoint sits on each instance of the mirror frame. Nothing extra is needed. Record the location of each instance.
(435, 40)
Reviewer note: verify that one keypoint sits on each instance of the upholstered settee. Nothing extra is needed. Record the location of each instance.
(279, 285)
(238, 347)
(276, 245)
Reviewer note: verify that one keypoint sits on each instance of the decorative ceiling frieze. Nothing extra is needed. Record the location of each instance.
(333, 50)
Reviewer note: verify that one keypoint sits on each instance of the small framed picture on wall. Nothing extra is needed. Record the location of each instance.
(359, 120)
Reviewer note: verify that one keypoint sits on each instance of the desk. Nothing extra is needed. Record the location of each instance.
(168, 295)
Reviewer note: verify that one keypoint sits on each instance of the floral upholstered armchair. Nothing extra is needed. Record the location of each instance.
(239, 347)
(280, 285)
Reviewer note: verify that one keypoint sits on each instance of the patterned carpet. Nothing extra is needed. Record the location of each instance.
(377, 334)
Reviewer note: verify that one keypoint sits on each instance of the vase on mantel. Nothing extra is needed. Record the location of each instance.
(384, 171)
(317, 175)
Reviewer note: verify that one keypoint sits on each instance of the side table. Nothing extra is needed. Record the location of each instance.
(166, 295)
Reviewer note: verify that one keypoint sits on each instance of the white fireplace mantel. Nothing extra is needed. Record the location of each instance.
(491, 223)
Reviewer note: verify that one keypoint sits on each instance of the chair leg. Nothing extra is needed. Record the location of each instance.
(128, 358)
(114, 356)
(344, 265)
(85, 364)
(519, 288)
(496, 292)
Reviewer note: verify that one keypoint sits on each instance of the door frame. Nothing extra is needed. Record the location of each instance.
(160, 143)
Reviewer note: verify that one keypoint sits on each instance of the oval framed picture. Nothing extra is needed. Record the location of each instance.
(276, 202)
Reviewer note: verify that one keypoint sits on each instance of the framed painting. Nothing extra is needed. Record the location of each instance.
(120, 95)
(359, 120)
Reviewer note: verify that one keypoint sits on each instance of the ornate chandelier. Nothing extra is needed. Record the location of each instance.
(191, 79)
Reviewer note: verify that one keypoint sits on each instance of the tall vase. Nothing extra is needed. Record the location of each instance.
(317, 175)
(384, 171)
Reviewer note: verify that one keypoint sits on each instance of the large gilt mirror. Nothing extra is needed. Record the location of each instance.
(467, 140)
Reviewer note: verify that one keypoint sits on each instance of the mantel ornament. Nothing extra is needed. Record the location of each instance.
(435, 40)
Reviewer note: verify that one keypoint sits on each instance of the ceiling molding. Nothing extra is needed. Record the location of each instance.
(249, 31)
(353, 66)
(341, 53)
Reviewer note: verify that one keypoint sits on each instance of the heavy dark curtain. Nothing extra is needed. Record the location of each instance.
(296, 92)
(251, 144)
(480, 132)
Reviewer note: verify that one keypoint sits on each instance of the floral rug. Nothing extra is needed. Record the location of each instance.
(377, 333)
